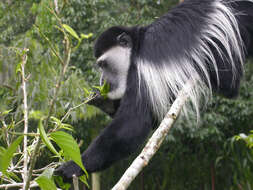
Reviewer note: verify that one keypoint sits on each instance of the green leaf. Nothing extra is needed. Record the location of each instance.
(61, 125)
(2, 150)
(45, 180)
(84, 180)
(71, 31)
(45, 139)
(87, 93)
(5, 112)
(36, 114)
(67, 143)
(11, 125)
(103, 89)
(56, 121)
(7, 155)
(67, 127)
(59, 181)
(86, 36)
(18, 67)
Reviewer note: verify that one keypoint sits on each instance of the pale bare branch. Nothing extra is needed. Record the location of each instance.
(75, 183)
(155, 141)
(25, 109)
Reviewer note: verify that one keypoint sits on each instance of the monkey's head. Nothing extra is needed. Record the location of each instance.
(113, 53)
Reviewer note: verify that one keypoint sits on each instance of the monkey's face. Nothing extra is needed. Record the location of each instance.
(114, 65)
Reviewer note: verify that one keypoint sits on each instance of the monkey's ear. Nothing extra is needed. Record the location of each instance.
(124, 40)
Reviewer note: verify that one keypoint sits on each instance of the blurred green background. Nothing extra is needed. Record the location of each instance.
(199, 156)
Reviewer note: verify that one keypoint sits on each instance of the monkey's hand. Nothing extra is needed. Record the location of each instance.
(106, 105)
(67, 170)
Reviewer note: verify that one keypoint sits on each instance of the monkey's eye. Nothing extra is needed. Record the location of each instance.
(102, 63)
(124, 39)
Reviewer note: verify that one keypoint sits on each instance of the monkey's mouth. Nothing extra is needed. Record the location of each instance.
(102, 81)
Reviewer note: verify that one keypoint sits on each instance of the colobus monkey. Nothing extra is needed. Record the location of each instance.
(204, 41)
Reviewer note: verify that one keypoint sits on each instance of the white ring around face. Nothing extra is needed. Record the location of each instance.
(119, 59)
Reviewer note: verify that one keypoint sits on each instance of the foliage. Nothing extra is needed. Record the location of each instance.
(195, 154)
(192, 157)
(7, 154)
(248, 139)
(47, 65)
(45, 180)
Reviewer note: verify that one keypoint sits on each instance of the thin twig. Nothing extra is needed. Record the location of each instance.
(17, 165)
(6, 133)
(32, 163)
(67, 53)
(56, 6)
(6, 186)
(19, 122)
(7, 86)
(25, 164)
(75, 107)
(7, 180)
(155, 141)
(25, 134)
(75, 182)
(53, 164)
(50, 45)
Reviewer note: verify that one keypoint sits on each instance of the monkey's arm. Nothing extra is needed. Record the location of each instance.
(108, 106)
(118, 140)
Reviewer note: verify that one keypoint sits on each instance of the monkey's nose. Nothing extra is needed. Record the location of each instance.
(102, 63)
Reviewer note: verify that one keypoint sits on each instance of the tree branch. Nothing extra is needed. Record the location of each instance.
(25, 164)
(155, 141)
(56, 6)
(75, 182)
(67, 53)
(6, 186)
(75, 107)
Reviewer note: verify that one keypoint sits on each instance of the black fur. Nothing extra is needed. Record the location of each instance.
(170, 36)
(245, 20)
(123, 136)
(108, 106)
(108, 39)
